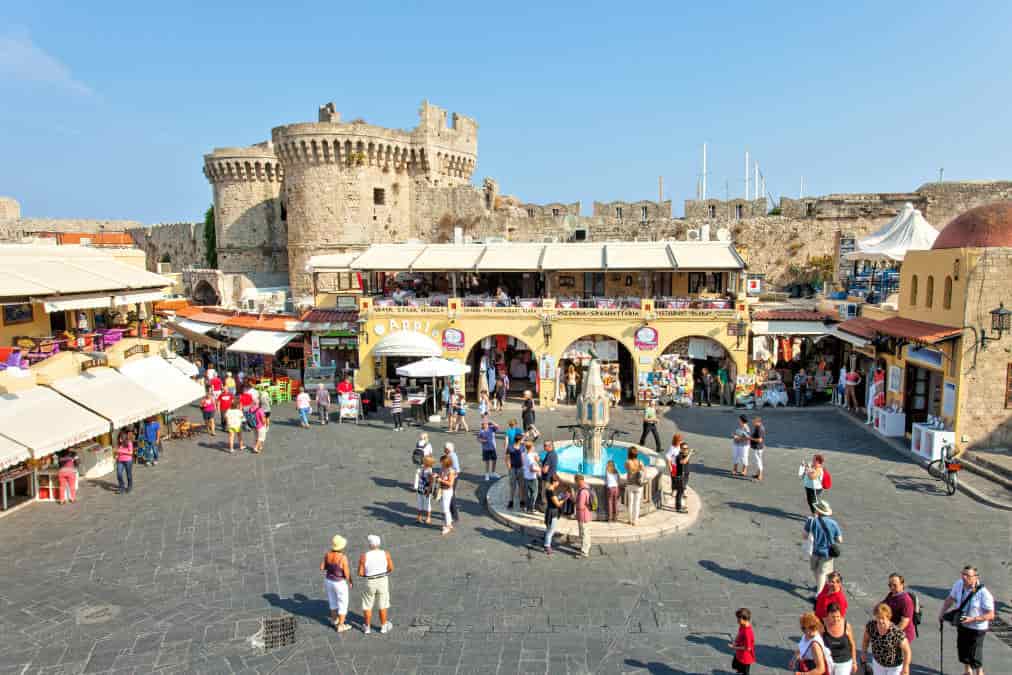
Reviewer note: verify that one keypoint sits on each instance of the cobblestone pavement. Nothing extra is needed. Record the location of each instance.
(174, 577)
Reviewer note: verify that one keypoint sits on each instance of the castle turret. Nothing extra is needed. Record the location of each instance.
(351, 184)
(247, 207)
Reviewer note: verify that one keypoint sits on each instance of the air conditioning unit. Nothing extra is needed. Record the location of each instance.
(692, 235)
(848, 310)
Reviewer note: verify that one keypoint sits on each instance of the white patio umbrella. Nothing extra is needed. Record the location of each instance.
(434, 367)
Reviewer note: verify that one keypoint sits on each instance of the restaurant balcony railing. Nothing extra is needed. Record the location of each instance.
(666, 307)
(27, 350)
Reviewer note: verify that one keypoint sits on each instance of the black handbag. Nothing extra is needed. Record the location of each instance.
(954, 615)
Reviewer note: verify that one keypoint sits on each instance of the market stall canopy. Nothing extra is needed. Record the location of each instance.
(331, 262)
(388, 257)
(434, 366)
(45, 422)
(111, 395)
(12, 453)
(407, 343)
(159, 377)
(182, 365)
(182, 328)
(639, 256)
(445, 257)
(789, 328)
(908, 231)
(266, 342)
(573, 257)
(705, 255)
(511, 258)
(855, 340)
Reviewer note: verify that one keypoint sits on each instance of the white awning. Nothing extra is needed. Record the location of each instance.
(111, 395)
(182, 365)
(168, 384)
(267, 342)
(138, 297)
(45, 422)
(573, 257)
(434, 366)
(700, 255)
(789, 328)
(61, 304)
(407, 343)
(855, 340)
(638, 256)
(331, 261)
(388, 257)
(195, 326)
(448, 258)
(12, 453)
(511, 257)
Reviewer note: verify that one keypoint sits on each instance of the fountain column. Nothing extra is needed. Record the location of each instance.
(592, 410)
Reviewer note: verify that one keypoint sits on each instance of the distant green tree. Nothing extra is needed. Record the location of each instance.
(210, 242)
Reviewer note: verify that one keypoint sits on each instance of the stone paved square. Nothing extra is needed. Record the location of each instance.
(175, 577)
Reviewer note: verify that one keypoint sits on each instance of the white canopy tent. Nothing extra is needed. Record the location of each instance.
(908, 231)
(168, 384)
(434, 366)
(407, 343)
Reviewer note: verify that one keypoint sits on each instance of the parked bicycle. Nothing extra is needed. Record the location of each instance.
(947, 468)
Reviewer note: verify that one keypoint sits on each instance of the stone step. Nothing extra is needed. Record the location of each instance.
(996, 463)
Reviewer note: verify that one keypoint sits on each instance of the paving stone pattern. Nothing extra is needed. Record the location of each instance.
(175, 577)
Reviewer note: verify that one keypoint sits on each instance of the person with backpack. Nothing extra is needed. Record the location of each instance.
(555, 501)
(972, 613)
(422, 449)
(903, 605)
(424, 485)
(586, 506)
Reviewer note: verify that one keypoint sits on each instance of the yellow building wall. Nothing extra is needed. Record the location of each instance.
(937, 265)
(38, 327)
(478, 323)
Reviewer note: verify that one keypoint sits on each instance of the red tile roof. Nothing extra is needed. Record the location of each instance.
(790, 315)
(329, 316)
(226, 317)
(174, 305)
(916, 331)
(861, 327)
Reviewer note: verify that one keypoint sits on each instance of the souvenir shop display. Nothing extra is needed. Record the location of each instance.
(744, 390)
(612, 383)
(670, 382)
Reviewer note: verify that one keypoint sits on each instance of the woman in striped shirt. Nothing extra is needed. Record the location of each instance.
(396, 407)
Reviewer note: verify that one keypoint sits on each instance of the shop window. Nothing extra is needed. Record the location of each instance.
(929, 292)
(20, 313)
(913, 291)
(706, 282)
(947, 293)
(379, 196)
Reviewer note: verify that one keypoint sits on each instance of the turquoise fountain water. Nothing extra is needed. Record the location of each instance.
(571, 459)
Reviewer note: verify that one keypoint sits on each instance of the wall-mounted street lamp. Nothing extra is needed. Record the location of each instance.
(741, 326)
(546, 327)
(362, 322)
(1001, 321)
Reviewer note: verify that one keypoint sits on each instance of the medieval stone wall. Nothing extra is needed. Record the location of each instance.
(725, 209)
(637, 212)
(945, 201)
(983, 402)
(183, 243)
(10, 209)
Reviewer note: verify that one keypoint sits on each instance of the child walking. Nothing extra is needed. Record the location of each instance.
(744, 643)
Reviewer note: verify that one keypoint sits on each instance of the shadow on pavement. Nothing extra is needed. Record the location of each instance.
(767, 510)
(314, 609)
(655, 667)
(928, 486)
(748, 577)
(393, 512)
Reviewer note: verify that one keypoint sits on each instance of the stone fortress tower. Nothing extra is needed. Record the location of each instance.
(248, 210)
(351, 184)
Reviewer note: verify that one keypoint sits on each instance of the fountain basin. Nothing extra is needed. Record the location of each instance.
(571, 463)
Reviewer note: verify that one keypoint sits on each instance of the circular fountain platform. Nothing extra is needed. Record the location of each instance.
(659, 522)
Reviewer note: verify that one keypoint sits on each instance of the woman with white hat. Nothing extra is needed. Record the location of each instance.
(337, 581)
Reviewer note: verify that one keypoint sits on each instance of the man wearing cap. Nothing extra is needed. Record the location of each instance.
(824, 532)
(337, 582)
(375, 566)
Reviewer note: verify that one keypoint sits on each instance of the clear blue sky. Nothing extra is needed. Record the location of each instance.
(106, 108)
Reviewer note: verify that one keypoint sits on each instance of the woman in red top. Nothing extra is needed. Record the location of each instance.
(744, 643)
(831, 593)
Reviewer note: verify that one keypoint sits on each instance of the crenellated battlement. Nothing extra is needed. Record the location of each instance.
(254, 163)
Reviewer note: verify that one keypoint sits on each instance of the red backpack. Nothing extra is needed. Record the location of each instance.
(827, 480)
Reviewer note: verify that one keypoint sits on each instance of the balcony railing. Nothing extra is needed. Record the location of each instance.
(683, 307)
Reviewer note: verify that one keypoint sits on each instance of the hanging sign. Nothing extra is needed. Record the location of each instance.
(646, 339)
(754, 285)
(453, 340)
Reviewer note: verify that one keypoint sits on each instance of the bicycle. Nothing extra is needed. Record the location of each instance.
(946, 469)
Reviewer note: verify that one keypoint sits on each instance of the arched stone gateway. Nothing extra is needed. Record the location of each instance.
(492, 355)
(618, 369)
(204, 293)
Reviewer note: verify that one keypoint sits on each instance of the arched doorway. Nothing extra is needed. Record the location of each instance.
(204, 294)
(493, 356)
(683, 364)
(617, 367)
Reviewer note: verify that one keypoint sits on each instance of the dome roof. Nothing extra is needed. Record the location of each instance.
(981, 227)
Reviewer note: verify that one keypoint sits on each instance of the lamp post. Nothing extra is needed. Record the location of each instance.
(1001, 322)
(362, 322)
(739, 330)
(546, 327)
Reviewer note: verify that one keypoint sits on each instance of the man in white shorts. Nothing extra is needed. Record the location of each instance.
(375, 566)
(740, 444)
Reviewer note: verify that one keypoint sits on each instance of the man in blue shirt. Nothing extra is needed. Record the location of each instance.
(451, 452)
(486, 436)
(549, 467)
(824, 532)
(152, 438)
